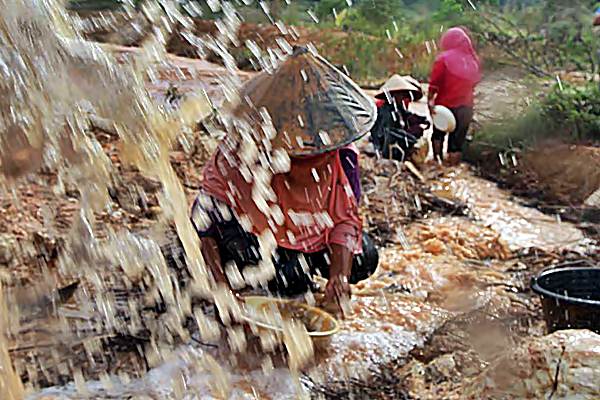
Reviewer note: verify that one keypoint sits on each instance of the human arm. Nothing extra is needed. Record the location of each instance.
(205, 219)
(350, 165)
(436, 80)
(212, 257)
(210, 253)
(337, 289)
(344, 241)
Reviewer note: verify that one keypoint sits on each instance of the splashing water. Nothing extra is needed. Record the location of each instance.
(53, 82)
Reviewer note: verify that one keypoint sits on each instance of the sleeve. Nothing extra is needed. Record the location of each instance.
(437, 76)
(350, 165)
(377, 131)
(348, 235)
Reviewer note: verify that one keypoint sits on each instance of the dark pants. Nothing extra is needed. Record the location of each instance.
(290, 279)
(456, 140)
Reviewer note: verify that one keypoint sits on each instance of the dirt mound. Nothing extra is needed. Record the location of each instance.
(570, 173)
(115, 27)
(553, 174)
(265, 36)
(345, 49)
(562, 365)
(132, 30)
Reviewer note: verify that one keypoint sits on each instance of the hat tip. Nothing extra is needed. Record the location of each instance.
(298, 50)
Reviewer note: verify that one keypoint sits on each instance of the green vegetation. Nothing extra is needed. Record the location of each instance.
(541, 36)
(549, 36)
(524, 131)
(575, 110)
(567, 113)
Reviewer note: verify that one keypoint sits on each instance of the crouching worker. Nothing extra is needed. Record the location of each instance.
(397, 130)
(309, 211)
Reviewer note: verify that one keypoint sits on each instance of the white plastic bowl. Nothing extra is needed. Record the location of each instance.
(443, 119)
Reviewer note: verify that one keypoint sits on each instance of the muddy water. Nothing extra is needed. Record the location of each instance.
(519, 226)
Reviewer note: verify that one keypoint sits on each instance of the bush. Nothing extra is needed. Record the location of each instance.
(367, 58)
(576, 109)
(570, 114)
(372, 59)
(523, 131)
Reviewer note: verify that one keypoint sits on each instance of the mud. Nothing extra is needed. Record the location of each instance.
(572, 175)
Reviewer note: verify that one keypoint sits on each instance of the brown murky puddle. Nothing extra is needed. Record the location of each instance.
(519, 226)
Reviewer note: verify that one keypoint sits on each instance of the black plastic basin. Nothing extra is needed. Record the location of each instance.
(570, 298)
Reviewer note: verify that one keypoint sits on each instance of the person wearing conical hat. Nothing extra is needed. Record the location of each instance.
(396, 129)
(298, 122)
(454, 75)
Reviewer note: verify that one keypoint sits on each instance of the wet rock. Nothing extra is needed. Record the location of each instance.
(7, 246)
(442, 368)
(564, 365)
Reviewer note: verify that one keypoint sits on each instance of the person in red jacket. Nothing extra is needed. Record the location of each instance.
(454, 75)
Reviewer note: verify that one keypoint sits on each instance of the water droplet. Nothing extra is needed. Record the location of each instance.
(558, 80)
(313, 16)
(304, 75)
(325, 138)
(315, 175)
(502, 159)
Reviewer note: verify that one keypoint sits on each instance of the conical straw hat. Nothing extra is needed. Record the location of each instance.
(314, 107)
(397, 83)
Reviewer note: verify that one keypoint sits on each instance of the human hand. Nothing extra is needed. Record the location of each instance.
(227, 305)
(431, 105)
(337, 292)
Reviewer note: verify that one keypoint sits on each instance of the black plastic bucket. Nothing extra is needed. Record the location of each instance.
(570, 298)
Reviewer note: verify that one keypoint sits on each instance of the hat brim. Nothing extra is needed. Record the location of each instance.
(416, 94)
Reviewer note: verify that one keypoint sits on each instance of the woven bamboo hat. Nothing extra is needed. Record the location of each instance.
(397, 83)
(313, 106)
